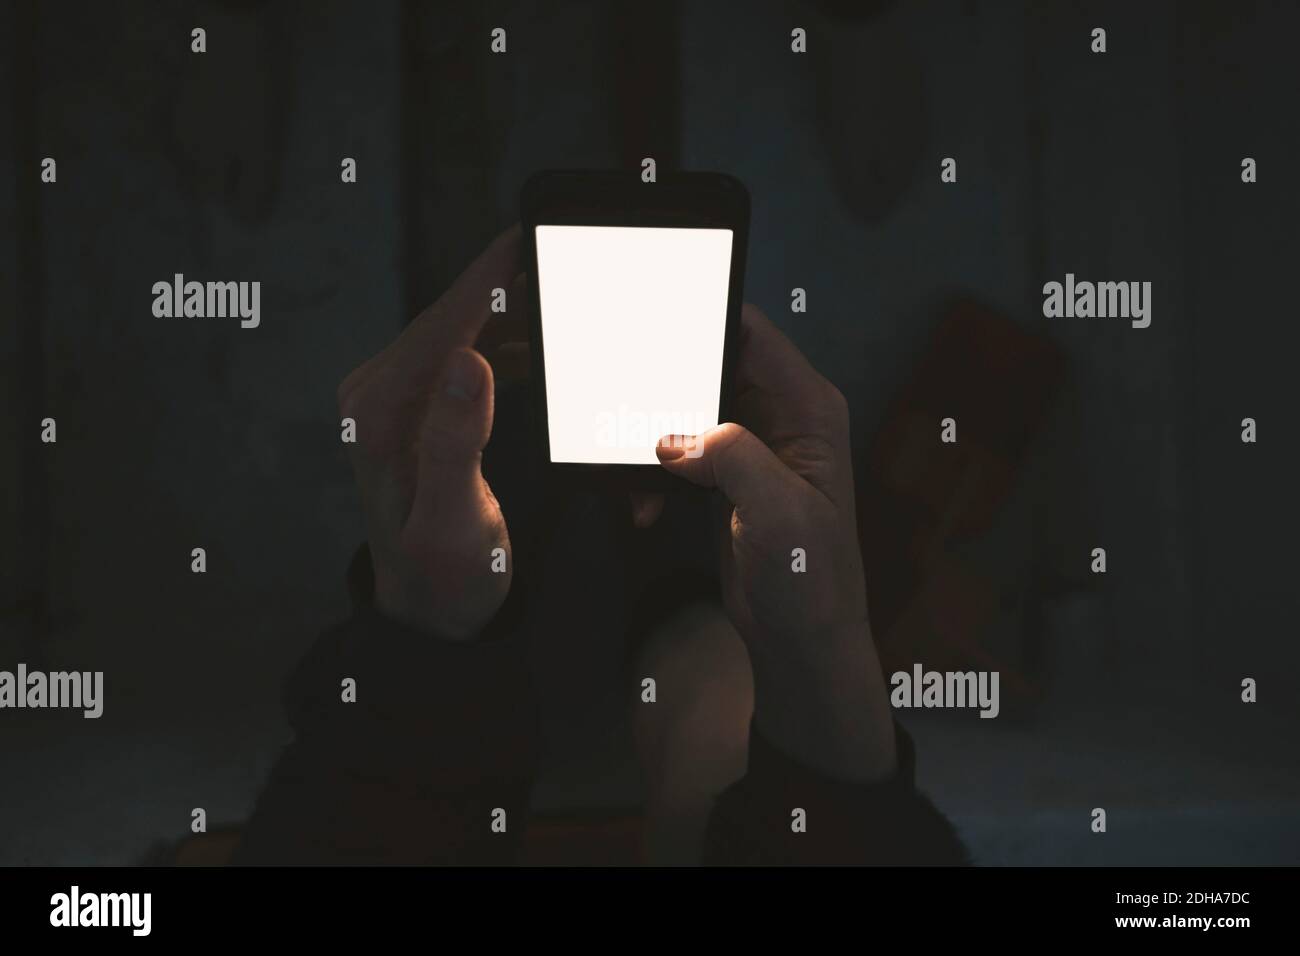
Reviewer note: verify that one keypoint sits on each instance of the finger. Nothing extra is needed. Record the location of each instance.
(393, 388)
(800, 415)
(769, 362)
(646, 508)
(510, 325)
(454, 519)
(504, 339)
(730, 458)
(456, 319)
(455, 430)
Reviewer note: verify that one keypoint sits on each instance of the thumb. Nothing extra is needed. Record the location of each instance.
(456, 427)
(729, 457)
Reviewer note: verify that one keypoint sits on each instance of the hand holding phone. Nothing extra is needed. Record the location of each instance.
(791, 569)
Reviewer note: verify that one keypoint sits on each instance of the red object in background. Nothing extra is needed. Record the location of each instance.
(917, 494)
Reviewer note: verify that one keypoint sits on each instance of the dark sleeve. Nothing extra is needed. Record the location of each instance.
(888, 822)
(439, 738)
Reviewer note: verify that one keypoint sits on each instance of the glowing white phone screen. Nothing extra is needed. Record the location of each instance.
(633, 324)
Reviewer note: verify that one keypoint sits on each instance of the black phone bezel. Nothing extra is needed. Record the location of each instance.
(620, 198)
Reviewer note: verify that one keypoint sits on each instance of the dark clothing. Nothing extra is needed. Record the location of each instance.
(443, 734)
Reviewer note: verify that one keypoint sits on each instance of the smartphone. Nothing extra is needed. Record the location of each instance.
(636, 291)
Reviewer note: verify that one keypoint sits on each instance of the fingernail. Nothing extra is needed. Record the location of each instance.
(671, 447)
(463, 378)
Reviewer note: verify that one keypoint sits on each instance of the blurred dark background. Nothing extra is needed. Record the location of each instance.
(924, 300)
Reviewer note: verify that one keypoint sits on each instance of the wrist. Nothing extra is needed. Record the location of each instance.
(412, 606)
(822, 700)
